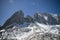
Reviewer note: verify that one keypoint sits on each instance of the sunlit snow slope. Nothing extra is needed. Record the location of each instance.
(28, 33)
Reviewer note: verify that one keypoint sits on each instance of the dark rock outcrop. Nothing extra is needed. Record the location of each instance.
(0, 27)
(17, 17)
(52, 19)
(39, 18)
(29, 19)
(45, 18)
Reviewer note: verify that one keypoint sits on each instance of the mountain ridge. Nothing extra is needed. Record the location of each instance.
(40, 26)
(45, 18)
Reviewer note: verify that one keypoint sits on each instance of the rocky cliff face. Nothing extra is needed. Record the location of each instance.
(44, 18)
(17, 17)
(40, 26)
(0, 27)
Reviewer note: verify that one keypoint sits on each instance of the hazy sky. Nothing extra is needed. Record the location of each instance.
(29, 7)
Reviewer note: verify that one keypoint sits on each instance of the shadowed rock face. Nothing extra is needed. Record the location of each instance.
(0, 27)
(45, 18)
(59, 19)
(17, 17)
(39, 18)
(29, 19)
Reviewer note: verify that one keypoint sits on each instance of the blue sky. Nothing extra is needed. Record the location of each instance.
(29, 7)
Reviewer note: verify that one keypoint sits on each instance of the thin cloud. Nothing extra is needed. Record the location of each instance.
(33, 3)
(11, 1)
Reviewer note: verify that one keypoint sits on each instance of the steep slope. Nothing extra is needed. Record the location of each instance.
(0, 27)
(17, 17)
(45, 18)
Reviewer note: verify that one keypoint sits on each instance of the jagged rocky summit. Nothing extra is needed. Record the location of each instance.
(40, 26)
(45, 18)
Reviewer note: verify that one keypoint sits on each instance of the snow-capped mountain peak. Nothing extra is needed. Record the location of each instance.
(34, 27)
